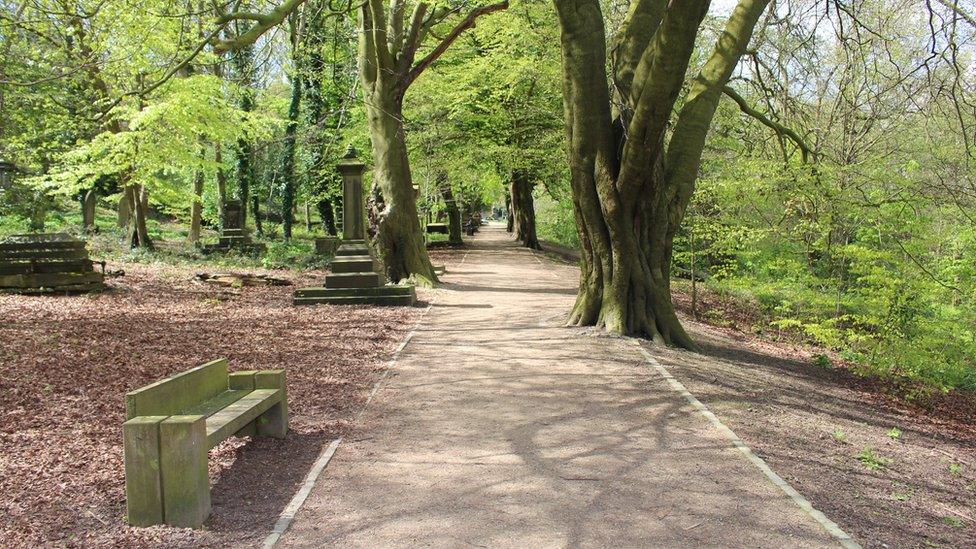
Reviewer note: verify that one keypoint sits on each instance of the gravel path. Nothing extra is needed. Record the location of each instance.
(500, 428)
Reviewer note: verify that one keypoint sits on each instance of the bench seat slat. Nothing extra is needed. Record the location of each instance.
(239, 413)
(217, 403)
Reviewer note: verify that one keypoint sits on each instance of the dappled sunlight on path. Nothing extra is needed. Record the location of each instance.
(500, 427)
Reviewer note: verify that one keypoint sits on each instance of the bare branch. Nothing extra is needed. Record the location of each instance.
(780, 129)
(954, 6)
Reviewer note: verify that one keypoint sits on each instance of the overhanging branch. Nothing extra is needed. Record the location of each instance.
(264, 22)
(780, 129)
(464, 25)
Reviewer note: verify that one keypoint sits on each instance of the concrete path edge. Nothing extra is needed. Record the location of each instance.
(842, 537)
(288, 514)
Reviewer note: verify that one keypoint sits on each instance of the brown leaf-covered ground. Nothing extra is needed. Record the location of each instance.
(68, 360)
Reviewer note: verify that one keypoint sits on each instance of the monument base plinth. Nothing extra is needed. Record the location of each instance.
(356, 279)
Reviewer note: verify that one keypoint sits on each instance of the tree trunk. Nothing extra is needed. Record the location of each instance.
(630, 183)
(221, 180)
(523, 209)
(196, 209)
(88, 203)
(125, 210)
(243, 64)
(256, 209)
(327, 216)
(510, 218)
(288, 164)
(453, 213)
(399, 237)
(139, 202)
(388, 44)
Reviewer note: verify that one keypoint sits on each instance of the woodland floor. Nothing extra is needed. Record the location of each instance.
(810, 422)
(67, 362)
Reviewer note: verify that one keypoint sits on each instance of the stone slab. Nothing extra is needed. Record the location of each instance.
(352, 280)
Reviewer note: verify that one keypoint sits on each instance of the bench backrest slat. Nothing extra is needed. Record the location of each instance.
(33, 246)
(177, 393)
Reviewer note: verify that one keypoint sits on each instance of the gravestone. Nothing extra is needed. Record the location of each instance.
(232, 225)
(356, 277)
(232, 234)
(233, 217)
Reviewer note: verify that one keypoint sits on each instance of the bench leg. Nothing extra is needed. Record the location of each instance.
(143, 488)
(183, 458)
(274, 422)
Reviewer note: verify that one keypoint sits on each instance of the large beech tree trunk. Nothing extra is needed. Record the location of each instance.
(399, 237)
(388, 45)
(522, 215)
(630, 183)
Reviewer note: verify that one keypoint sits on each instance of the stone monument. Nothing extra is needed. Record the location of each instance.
(232, 234)
(356, 276)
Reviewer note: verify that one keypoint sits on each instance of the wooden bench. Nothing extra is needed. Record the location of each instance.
(440, 228)
(41, 263)
(172, 424)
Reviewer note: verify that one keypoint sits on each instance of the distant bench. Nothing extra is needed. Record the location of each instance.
(172, 424)
(440, 228)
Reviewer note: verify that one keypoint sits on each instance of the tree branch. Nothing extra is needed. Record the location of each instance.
(695, 117)
(396, 26)
(468, 23)
(954, 6)
(263, 23)
(379, 34)
(780, 129)
(415, 34)
(628, 45)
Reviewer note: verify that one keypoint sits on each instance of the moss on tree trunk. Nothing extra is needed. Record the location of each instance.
(388, 46)
(633, 164)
